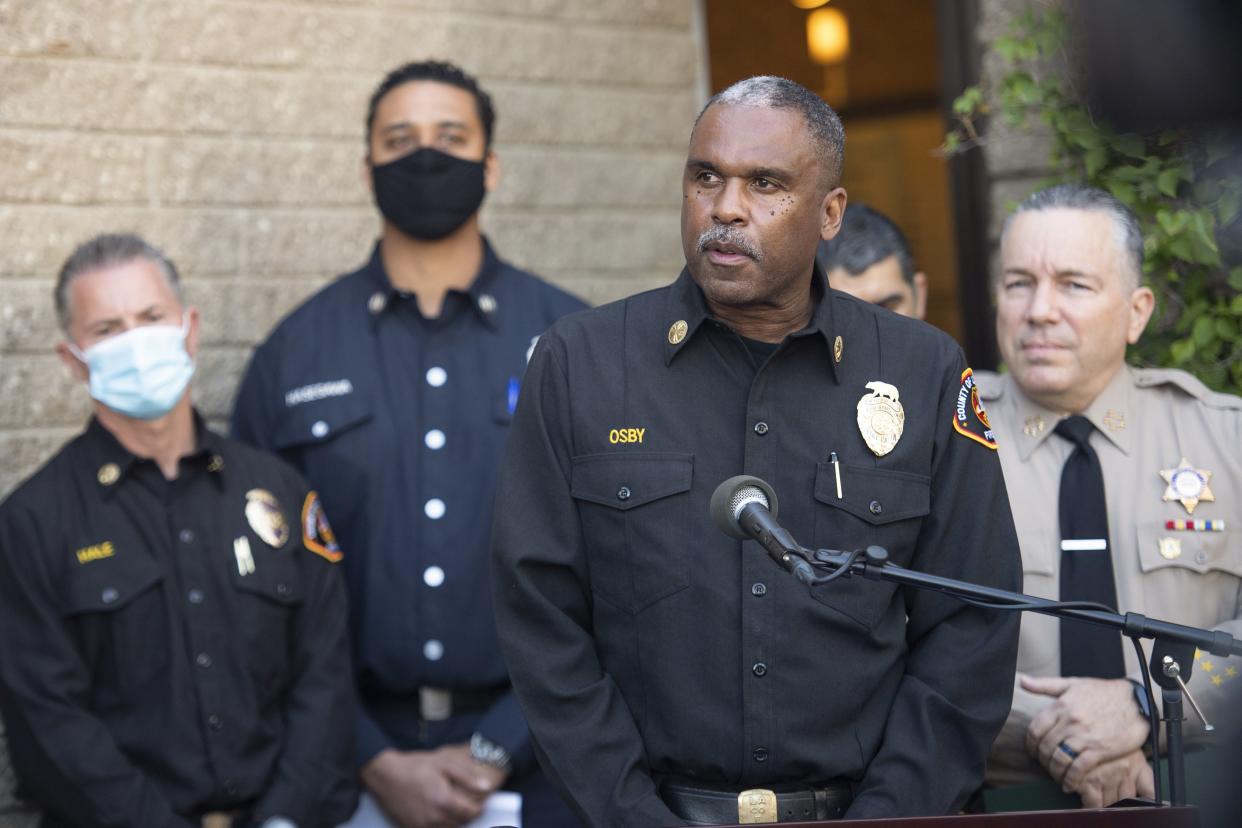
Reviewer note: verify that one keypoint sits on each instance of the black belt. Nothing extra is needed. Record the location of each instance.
(708, 806)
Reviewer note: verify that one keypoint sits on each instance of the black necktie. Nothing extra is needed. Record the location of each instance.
(1086, 558)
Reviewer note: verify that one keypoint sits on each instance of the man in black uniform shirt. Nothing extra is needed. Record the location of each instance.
(174, 645)
(665, 668)
(392, 391)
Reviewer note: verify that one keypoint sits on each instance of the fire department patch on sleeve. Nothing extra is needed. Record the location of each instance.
(969, 418)
(317, 535)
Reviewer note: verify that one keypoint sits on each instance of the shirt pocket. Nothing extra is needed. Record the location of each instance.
(268, 597)
(320, 422)
(635, 515)
(883, 507)
(1178, 564)
(119, 612)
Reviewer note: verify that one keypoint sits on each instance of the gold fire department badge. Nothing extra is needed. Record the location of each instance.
(881, 418)
(265, 517)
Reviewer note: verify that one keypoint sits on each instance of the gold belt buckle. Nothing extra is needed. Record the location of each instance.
(756, 806)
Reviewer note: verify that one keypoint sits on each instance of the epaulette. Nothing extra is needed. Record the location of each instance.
(1155, 377)
(990, 385)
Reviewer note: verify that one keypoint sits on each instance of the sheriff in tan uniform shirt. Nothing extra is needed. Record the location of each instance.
(1147, 422)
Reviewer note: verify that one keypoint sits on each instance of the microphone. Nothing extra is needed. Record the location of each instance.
(744, 507)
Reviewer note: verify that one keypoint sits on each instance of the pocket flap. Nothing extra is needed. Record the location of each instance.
(1201, 552)
(321, 420)
(624, 481)
(878, 496)
(275, 580)
(109, 585)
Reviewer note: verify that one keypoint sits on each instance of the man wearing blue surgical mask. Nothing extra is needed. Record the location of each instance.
(175, 649)
(392, 391)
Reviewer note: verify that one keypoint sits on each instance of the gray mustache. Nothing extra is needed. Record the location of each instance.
(723, 234)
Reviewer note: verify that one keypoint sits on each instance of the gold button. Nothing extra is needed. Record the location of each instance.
(1170, 548)
(108, 474)
(677, 332)
(838, 345)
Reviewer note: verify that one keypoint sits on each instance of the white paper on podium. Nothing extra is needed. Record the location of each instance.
(503, 808)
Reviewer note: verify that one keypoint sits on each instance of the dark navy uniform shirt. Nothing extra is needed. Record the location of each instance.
(646, 645)
(400, 422)
(172, 648)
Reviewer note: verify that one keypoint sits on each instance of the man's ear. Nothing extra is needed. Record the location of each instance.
(491, 171)
(192, 332)
(76, 366)
(1142, 303)
(364, 170)
(920, 295)
(831, 212)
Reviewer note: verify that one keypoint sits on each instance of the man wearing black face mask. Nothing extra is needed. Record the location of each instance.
(392, 391)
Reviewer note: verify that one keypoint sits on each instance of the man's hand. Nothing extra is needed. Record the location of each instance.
(1096, 719)
(441, 788)
(1130, 775)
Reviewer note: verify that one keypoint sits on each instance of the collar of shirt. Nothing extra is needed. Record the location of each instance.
(687, 304)
(103, 450)
(1108, 412)
(481, 293)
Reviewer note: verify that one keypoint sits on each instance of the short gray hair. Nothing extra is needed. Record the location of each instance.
(781, 93)
(108, 250)
(1081, 197)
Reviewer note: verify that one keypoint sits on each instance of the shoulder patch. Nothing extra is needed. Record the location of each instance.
(317, 534)
(1154, 377)
(969, 418)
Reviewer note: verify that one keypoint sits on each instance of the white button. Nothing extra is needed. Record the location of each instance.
(434, 439)
(433, 650)
(436, 376)
(434, 508)
(320, 428)
(487, 303)
(433, 576)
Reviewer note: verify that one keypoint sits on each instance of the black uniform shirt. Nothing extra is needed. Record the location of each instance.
(171, 648)
(399, 422)
(646, 644)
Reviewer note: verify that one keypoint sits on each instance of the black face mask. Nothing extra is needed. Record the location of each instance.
(428, 194)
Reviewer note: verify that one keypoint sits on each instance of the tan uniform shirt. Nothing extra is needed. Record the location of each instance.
(1146, 422)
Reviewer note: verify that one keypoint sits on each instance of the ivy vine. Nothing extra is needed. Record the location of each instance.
(1174, 180)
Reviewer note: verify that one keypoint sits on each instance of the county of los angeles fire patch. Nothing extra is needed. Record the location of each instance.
(317, 535)
(969, 418)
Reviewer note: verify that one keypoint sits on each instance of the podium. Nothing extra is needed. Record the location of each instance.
(1183, 816)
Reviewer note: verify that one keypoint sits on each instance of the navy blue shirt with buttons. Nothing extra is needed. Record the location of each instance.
(399, 421)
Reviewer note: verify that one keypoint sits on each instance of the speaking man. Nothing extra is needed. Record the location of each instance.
(671, 674)
(174, 647)
(1124, 484)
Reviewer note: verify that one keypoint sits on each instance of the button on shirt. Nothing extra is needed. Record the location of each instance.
(399, 422)
(146, 677)
(646, 645)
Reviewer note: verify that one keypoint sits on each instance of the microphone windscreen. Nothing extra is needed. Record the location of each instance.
(733, 494)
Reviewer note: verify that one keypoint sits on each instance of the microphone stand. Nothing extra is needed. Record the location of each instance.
(1172, 653)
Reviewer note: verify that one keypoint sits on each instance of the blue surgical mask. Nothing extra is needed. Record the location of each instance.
(141, 373)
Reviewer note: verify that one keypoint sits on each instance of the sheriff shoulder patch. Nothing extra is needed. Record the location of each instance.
(969, 418)
(317, 534)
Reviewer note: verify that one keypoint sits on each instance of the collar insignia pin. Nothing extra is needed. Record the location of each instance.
(677, 332)
(265, 517)
(1114, 420)
(376, 303)
(1033, 426)
(108, 474)
(1187, 485)
(881, 418)
(838, 345)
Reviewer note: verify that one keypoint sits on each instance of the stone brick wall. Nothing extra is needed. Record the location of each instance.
(229, 132)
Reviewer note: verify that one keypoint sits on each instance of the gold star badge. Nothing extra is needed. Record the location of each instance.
(1187, 485)
(677, 332)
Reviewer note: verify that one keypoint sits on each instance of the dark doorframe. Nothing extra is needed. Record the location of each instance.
(956, 22)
